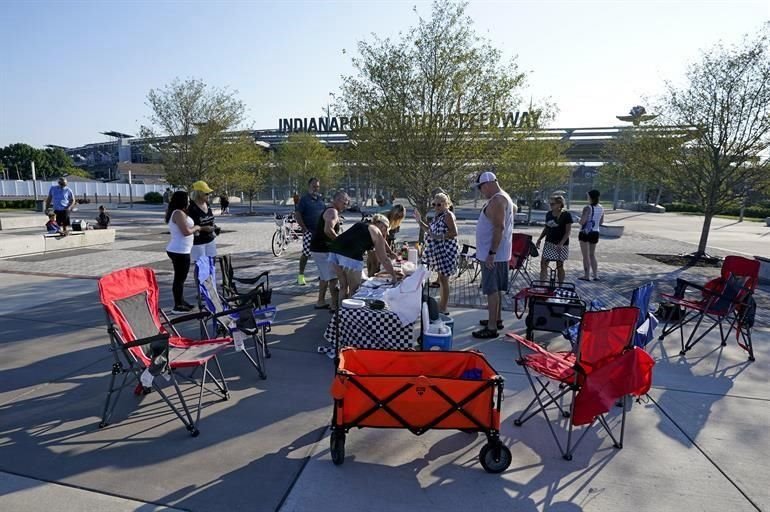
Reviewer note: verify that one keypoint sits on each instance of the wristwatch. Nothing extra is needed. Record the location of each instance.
(492, 252)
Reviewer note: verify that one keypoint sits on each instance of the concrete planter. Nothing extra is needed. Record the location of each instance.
(612, 231)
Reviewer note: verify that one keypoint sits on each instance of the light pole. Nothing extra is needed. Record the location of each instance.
(328, 111)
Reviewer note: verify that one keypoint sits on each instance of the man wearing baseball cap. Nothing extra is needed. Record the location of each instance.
(494, 234)
(62, 199)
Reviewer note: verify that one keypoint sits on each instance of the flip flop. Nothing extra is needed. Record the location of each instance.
(584, 278)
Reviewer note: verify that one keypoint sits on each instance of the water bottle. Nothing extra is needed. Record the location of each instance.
(237, 336)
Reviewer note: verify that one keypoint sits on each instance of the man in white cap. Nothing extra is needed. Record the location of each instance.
(494, 234)
(62, 199)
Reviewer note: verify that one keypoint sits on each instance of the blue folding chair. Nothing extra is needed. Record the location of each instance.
(239, 316)
(641, 298)
(645, 326)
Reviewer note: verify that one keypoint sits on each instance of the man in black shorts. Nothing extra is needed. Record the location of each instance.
(62, 199)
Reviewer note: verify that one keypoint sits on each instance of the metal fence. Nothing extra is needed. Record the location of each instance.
(26, 188)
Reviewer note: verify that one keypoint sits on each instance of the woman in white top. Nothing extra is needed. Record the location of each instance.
(590, 220)
(182, 230)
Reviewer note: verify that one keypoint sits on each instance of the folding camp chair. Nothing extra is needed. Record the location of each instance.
(247, 320)
(467, 262)
(259, 290)
(603, 368)
(145, 345)
(641, 298)
(521, 249)
(725, 299)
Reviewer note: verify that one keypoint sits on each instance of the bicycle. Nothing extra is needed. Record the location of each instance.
(287, 230)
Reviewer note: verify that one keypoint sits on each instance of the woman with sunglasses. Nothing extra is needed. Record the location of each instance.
(558, 224)
(441, 250)
(200, 212)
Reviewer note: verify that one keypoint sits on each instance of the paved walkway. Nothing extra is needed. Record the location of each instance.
(700, 442)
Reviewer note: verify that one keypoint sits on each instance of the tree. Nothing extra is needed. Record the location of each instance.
(532, 162)
(424, 109)
(49, 162)
(726, 98)
(189, 120)
(244, 170)
(302, 157)
(645, 157)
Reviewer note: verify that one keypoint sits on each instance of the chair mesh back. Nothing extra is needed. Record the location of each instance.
(130, 298)
(605, 334)
(744, 267)
(137, 320)
(732, 293)
(519, 250)
(211, 300)
(226, 266)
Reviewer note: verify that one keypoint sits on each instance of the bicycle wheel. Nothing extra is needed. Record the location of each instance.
(279, 242)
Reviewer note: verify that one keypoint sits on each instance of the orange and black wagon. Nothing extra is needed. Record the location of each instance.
(418, 391)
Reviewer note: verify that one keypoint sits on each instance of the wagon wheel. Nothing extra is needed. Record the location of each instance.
(495, 463)
(279, 242)
(337, 447)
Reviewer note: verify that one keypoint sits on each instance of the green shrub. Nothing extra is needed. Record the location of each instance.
(681, 207)
(153, 197)
(2, 204)
(754, 212)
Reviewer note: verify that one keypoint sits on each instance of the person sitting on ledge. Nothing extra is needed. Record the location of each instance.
(102, 220)
(52, 227)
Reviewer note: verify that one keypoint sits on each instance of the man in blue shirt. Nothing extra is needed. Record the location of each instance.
(307, 212)
(63, 200)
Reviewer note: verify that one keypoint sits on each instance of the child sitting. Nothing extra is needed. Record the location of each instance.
(52, 227)
(102, 220)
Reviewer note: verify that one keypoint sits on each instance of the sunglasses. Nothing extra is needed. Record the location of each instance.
(438, 204)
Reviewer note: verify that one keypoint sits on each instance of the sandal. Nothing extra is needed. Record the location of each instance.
(486, 323)
(321, 306)
(584, 278)
(485, 334)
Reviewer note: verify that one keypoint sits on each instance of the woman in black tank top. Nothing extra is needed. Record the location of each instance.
(346, 252)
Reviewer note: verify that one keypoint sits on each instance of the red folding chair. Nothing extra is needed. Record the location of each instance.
(521, 249)
(604, 367)
(725, 299)
(146, 345)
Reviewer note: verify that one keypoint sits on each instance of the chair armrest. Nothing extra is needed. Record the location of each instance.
(253, 280)
(188, 317)
(146, 341)
(227, 312)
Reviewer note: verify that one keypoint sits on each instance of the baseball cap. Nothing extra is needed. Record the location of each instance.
(201, 186)
(485, 177)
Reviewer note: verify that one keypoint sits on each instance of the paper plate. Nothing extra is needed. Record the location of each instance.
(353, 303)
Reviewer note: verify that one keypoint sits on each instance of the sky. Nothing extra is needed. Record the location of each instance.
(72, 69)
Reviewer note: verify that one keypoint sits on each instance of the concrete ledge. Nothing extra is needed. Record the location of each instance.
(17, 245)
(22, 221)
(611, 230)
(646, 207)
(764, 269)
(21, 245)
